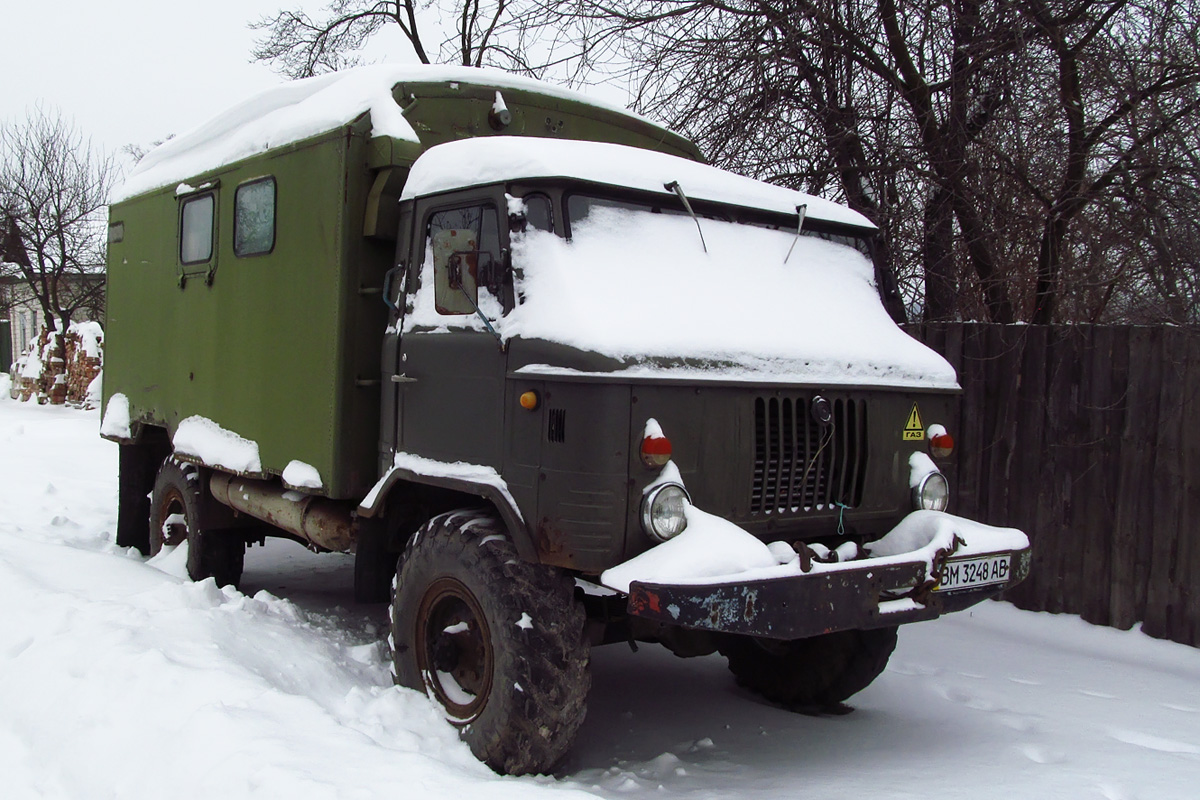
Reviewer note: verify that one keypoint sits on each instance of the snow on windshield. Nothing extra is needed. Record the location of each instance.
(633, 284)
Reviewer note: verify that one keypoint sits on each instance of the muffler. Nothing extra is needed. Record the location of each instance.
(328, 524)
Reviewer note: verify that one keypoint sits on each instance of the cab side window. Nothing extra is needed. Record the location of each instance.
(538, 213)
(464, 246)
(196, 229)
(254, 218)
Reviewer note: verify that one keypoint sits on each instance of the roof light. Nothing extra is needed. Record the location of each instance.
(499, 117)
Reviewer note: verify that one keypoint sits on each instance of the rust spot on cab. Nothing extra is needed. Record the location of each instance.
(551, 546)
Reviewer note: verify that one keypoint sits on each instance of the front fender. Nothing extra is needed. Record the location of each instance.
(475, 479)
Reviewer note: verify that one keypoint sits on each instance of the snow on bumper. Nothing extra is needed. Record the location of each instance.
(931, 563)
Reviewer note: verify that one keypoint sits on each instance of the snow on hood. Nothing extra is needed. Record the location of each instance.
(636, 286)
(491, 159)
(298, 110)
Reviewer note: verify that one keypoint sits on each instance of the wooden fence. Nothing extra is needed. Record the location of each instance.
(1087, 438)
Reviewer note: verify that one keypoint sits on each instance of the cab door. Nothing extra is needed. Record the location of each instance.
(394, 284)
(451, 367)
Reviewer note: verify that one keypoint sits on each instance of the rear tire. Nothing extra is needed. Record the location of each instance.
(496, 641)
(810, 674)
(175, 518)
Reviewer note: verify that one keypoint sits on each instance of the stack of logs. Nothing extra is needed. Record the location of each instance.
(56, 384)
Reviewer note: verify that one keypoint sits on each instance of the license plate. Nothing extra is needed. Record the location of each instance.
(969, 573)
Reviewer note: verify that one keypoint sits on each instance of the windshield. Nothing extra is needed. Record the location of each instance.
(580, 206)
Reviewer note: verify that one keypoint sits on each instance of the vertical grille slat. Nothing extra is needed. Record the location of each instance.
(812, 437)
(860, 446)
(846, 479)
(777, 457)
(788, 437)
(843, 413)
(800, 468)
(760, 438)
(836, 456)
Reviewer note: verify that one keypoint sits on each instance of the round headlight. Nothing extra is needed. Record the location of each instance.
(662, 511)
(932, 493)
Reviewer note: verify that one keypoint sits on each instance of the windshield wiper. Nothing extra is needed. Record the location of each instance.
(801, 210)
(674, 186)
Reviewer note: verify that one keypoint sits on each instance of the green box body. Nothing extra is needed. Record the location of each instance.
(284, 348)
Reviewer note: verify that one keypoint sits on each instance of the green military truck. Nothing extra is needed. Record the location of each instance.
(553, 380)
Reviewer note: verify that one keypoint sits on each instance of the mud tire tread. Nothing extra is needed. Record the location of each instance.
(518, 731)
(216, 554)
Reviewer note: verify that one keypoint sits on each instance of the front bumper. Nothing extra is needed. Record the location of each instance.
(869, 593)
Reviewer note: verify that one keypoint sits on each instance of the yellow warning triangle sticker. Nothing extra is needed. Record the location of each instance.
(913, 429)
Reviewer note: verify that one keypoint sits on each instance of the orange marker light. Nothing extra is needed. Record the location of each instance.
(529, 401)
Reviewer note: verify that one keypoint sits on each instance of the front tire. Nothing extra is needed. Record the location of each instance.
(496, 641)
(175, 518)
(817, 673)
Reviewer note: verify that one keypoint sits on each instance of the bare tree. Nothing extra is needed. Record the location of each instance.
(301, 46)
(1156, 279)
(1111, 59)
(54, 188)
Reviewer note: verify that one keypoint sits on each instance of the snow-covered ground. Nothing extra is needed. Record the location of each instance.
(120, 679)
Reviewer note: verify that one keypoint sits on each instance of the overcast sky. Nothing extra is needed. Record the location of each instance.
(137, 71)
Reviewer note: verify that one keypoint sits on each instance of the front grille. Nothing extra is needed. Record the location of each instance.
(801, 467)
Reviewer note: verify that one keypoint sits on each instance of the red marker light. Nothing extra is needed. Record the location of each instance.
(656, 451)
(941, 445)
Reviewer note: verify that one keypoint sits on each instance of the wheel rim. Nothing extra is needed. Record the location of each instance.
(171, 529)
(454, 650)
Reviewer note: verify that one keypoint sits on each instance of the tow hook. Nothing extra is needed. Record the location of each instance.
(922, 590)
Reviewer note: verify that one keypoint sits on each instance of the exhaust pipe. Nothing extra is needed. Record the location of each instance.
(328, 524)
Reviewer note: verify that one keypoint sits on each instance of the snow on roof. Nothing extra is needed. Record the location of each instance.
(298, 110)
(473, 162)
